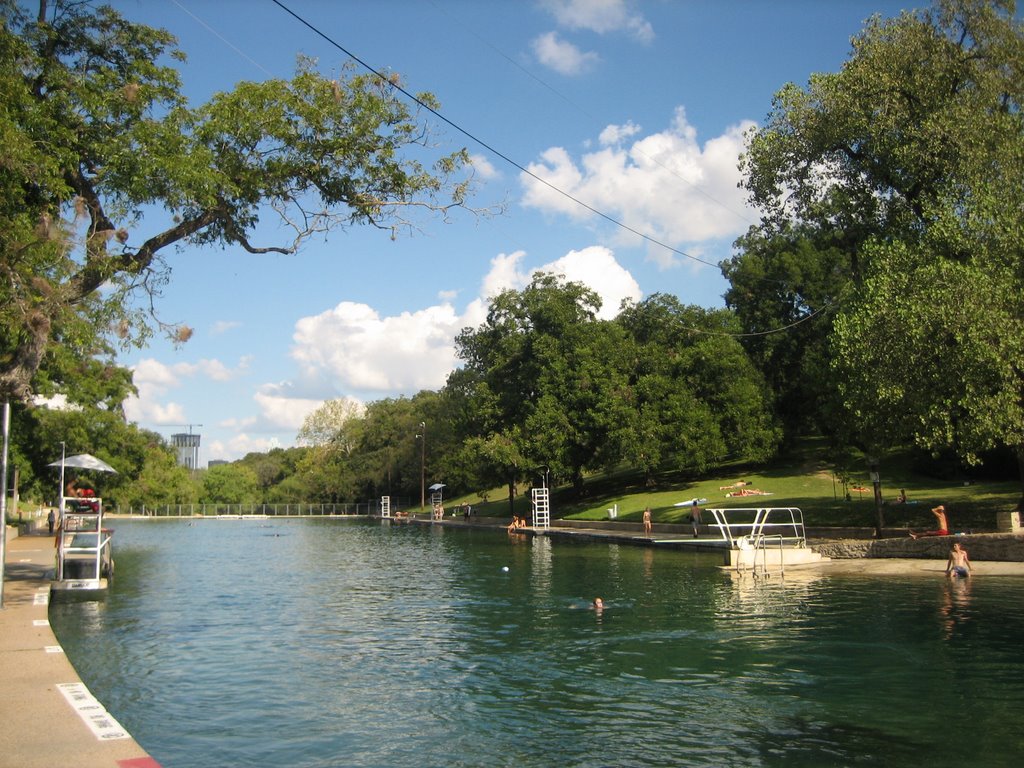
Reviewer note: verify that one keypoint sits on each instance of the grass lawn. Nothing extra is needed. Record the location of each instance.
(802, 479)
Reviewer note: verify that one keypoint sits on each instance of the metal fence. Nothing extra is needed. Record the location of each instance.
(252, 510)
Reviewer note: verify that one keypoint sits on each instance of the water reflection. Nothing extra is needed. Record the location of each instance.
(955, 605)
(540, 550)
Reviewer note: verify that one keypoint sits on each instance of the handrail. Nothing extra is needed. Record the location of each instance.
(760, 522)
(759, 545)
(80, 520)
(784, 525)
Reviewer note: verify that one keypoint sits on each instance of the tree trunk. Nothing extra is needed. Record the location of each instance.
(577, 482)
(876, 482)
(1020, 468)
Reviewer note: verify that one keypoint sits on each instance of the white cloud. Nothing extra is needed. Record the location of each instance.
(506, 274)
(483, 167)
(279, 411)
(665, 185)
(146, 409)
(154, 380)
(616, 134)
(353, 349)
(561, 55)
(58, 402)
(595, 267)
(358, 350)
(601, 16)
(239, 445)
(223, 326)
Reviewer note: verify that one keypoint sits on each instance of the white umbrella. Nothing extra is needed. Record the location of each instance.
(84, 461)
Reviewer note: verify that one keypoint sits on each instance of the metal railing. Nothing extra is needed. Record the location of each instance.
(743, 526)
(760, 545)
(82, 538)
(232, 511)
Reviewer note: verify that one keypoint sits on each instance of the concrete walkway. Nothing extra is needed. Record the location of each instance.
(49, 717)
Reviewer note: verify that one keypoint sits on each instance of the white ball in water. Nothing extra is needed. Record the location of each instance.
(504, 568)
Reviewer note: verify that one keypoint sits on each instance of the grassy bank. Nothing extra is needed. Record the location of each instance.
(802, 479)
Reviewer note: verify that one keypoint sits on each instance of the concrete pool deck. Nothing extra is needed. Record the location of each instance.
(49, 717)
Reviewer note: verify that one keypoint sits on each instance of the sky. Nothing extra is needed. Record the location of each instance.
(638, 109)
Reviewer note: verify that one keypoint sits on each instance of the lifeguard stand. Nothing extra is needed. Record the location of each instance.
(84, 559)
(436, 493)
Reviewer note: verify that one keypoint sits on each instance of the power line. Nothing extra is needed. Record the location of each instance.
(472, 137)
(544, 84)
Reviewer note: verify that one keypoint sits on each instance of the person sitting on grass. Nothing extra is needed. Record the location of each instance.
(943, 529)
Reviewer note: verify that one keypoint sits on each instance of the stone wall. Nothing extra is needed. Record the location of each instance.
(1003, 547)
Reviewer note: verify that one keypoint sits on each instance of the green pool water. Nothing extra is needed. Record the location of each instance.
(351, 643)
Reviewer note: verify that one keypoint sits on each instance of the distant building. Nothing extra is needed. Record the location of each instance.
(187, 446)
(216, 463)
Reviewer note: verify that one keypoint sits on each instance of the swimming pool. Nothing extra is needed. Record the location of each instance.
(356, 643)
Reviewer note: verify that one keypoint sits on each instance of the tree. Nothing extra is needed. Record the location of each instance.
(229, 484)
(161, 480)
(790, 280)
(544, 369)
(332, 433)
(917, 148)
(693, 399)
(96, 132)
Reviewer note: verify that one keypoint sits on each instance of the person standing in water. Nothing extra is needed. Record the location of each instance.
(959, 564)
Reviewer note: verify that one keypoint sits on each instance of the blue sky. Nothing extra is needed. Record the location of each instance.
(637, 108)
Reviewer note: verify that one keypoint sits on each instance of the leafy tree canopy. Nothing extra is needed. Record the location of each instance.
(913, 156)
(97, 134)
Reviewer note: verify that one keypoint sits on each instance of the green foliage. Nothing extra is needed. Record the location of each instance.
(96, 132)
(146, 471)
(552, 387)
(160, 480)
(229, 484)
(912, 156)
(693, 399)
(789, 280)
(541, 371)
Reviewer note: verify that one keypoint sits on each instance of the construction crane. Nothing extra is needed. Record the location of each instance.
(183, 425)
